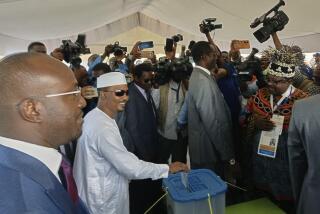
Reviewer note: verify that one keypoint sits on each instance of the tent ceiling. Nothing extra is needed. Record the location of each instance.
(23, 21)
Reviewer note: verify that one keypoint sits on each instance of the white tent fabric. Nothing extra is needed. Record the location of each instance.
(50, 21)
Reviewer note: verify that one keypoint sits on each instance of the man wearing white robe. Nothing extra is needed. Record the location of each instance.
(103, 167)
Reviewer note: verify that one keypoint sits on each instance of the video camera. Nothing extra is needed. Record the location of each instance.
(177, 69)
(72, 50)
(270, 24)
(177, 38)
(169, 42)
(247, 68)
(208, 25)
(117, 49)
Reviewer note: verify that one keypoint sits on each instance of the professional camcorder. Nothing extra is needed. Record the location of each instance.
(247, 68)
(177, 38)
(208, 25)
(117, 49)
(72, 50)
(170, 41)
(270, 24)
(177, 69)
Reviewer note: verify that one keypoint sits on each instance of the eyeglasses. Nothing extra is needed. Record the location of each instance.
(76, 93)
(120, 93)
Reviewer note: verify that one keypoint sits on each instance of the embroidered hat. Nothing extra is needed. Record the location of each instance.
(110, 79)
(283, 62)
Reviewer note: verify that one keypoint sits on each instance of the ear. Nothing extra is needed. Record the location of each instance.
(31, 110)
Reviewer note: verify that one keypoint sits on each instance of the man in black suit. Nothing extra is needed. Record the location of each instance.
(141, 126)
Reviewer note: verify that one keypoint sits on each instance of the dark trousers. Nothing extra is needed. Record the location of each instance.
(143, 193)
(176, 148)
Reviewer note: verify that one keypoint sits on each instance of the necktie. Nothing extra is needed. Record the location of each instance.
(69, 180)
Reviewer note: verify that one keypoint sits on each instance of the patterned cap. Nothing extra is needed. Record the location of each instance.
(283, 62)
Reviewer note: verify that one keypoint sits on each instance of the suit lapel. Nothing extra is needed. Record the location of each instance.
(38, 172)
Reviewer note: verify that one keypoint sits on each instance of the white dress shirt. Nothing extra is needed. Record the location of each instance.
(48, 156)
(202, 68)
(103, 166)
(143, 92)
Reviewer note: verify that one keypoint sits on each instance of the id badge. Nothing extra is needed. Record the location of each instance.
(268, 143)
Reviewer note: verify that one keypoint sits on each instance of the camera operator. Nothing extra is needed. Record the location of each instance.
(95, 59)
(169, 97)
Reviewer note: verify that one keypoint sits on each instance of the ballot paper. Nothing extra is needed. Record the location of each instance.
(184, 180)
(268, 143)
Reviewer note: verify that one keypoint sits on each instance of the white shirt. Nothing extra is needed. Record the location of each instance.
(143, 92)
(48, 156)
(202, 68)
(103, 166)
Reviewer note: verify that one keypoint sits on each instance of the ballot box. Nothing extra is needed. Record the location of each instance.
(196, 192)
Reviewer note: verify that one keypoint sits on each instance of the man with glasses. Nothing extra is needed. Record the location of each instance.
(103, 166)
(40, 110)
(268, 116)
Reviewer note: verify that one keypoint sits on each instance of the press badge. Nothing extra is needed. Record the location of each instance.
(268, 143)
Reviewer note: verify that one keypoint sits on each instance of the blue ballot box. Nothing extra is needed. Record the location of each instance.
(201, 192)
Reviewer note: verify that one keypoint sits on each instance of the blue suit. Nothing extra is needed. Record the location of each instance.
(28, 186)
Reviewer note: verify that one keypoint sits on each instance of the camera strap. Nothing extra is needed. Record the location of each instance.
(177, 91)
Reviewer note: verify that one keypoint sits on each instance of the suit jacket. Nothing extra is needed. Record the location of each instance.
(209, 121)
(141, 125)
(28, 186)
(304, 154)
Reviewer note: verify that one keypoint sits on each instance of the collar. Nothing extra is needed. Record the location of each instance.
(289, 91)
(48, 156)
(143, 92)
(202, 68)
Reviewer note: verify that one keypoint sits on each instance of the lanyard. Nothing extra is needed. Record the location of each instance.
(282, 99)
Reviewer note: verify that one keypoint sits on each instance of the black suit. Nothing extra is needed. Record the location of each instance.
(141, 126)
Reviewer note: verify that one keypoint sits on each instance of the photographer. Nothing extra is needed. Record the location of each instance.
(172, 75)
(95, 59)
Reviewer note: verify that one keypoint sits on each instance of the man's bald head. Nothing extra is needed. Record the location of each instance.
(27, 112)
(25, 74)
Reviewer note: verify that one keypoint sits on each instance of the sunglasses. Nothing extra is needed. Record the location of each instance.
(120, 93)
(148, 81)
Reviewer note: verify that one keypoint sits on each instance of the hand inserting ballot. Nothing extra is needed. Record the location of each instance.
(177, 167)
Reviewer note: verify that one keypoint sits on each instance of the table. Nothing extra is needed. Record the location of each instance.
(259, 206)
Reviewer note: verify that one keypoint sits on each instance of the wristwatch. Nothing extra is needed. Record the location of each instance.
(232, 162)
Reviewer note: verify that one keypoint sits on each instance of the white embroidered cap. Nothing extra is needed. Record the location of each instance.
(110, 79)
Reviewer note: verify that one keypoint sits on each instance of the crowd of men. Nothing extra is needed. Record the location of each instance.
(122, 131)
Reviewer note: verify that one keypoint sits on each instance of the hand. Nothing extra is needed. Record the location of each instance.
(57, 53)
(183, 48)
(231, 172)
(232, 45)
(88, 92)
(135, 48)
(202, 29)
(264, 124)
(177, 167)
(108, 50)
